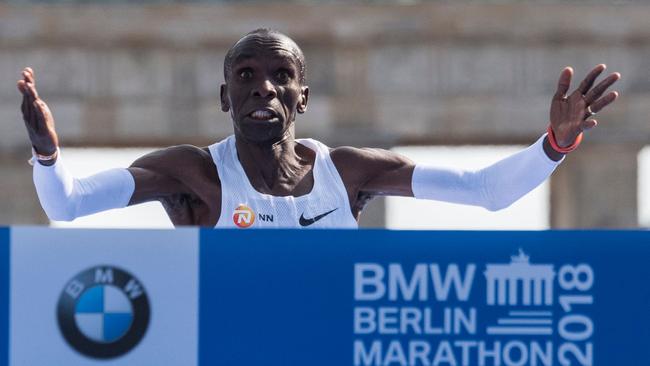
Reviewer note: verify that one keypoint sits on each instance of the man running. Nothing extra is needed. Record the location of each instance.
(263, 177)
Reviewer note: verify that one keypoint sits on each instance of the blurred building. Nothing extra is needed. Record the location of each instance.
(381, 74)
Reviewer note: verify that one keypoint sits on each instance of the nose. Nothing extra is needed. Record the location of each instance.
(265, 90)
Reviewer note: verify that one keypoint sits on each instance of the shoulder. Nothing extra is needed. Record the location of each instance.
(174, 154)
(364, 168)
(184, 179)
(177, 152)
(366, 158)
(179, 159)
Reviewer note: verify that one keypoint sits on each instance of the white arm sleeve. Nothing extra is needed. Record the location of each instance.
(65, 198)
(494, 187)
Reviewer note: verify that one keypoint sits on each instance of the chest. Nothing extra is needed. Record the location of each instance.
(323, 205)
(241, 211)
(317, 200)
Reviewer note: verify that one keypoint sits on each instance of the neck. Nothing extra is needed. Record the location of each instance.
(271, 166)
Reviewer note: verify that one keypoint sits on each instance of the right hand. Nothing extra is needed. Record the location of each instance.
(37, 116)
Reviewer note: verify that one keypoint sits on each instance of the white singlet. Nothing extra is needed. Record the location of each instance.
(326, 206)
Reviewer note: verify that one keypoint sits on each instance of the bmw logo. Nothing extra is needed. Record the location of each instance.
(103, 312)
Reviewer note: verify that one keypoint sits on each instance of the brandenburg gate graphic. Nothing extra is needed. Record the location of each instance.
(503, 282)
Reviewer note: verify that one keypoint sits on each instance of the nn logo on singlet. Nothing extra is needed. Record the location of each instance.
(244, 216)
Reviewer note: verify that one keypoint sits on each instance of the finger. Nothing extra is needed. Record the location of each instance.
(22, 87)
(23, 105)
(30, 98)
(39, 110)
(564, 83)
(599, 89)
(601, 103)
(26, 90)
(28, 115)
(32, 90)
(29, 76)
(20, 84)
(588, 81)
(23, 109)
(588, 124)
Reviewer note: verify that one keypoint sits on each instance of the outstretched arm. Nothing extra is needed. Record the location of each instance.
(494, 187)
(65, 197)
(62, 196)
(380, 172)
(503, 183)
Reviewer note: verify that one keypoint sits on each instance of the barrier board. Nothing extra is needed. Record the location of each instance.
(282, 297)
(4, 295)
(103, 297)
(425, 298)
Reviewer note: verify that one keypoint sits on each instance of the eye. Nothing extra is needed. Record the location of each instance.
(245, 74)
(283, 75)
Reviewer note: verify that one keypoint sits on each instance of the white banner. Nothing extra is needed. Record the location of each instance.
(104, 297)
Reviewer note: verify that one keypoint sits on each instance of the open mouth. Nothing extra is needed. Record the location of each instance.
(263, 115)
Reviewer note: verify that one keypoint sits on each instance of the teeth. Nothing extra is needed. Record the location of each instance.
(262, 115)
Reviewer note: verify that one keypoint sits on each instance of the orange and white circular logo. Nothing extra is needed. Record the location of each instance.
(243, 216)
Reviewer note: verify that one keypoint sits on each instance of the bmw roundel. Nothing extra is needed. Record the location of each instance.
(103, 312)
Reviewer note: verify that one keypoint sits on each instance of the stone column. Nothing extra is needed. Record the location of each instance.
(596, 187)
(20, 205)
(374, 214)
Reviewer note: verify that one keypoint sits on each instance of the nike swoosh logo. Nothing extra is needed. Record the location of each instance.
(306, 222)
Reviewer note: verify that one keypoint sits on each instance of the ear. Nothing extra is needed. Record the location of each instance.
(304, 98)
(225, 106)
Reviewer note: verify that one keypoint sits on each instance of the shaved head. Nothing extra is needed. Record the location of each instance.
(267, 38)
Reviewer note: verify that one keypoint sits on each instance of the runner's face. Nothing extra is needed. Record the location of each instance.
(263, 91)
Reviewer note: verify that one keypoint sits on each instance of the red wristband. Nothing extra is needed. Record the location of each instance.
(38, 157)
(562, 150)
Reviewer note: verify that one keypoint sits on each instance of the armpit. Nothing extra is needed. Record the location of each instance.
(184, 209)
(363, 198)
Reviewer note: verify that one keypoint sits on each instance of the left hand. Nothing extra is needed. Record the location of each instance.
(569, 114)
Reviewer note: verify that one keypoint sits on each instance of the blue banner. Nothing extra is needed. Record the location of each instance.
(4, 296)
(424, 298)
(363, 298)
